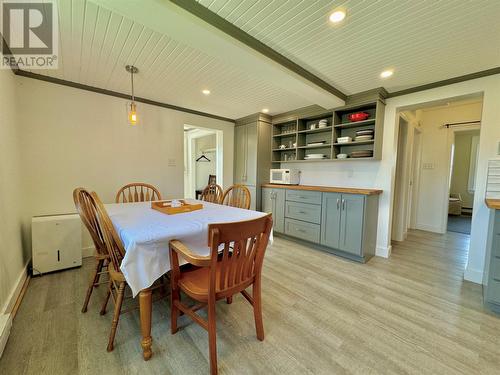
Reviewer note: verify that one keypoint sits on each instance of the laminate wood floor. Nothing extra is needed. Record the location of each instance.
(411, 314)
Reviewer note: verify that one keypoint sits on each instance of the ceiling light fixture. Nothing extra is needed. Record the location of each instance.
(337, 16)
(265, 110)
(206, 92)
(132, 107)
(386, 73)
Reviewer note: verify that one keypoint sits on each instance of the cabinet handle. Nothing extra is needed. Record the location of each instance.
(302, 212)
(338, 204)
(300, 230)
(343, 204)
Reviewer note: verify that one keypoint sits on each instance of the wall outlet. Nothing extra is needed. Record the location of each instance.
(428, 166)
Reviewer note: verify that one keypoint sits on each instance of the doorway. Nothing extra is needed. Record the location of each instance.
(434, 165)
(462, 180)
(203, 157)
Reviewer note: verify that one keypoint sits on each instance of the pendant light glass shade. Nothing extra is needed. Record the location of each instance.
(132, 113)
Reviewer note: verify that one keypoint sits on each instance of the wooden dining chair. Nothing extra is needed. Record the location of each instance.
(212, 193)
(116, 252)
(220, 276)
(117, 281)
(237, 196)
(137, 192)
(86, 207)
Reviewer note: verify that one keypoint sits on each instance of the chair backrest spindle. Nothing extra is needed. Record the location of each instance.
(137, 192)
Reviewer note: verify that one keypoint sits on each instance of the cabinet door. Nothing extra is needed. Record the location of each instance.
(240, 146)
(267, 200)
(351, 223)
(251, 154)
(279, 210)
(330, 223)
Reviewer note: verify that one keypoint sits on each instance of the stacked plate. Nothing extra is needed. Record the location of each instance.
(323, 123)
(362, 154)
(364, 135)
(318, 143)
(360, 138)
(315, 156)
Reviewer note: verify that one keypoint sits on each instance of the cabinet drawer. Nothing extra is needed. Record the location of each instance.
(496, 245)
(493, 291)
(305, 231)
(303, 211)
(495, 269)
(303, 196)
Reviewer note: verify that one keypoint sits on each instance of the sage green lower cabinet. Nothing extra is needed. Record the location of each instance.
(491, 289)
(330, 228)
(341, 223)
(273, 201)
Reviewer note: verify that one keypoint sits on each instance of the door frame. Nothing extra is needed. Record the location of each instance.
(190, 157)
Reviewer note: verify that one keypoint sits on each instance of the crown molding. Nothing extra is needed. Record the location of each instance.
(24, 73)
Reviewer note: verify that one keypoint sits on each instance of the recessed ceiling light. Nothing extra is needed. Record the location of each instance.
(337, 16)
(206, 92)
(386, 73)
(265, 110)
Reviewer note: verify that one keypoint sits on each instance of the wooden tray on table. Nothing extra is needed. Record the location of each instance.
(166, 207)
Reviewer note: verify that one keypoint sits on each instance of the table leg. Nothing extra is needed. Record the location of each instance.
(145, 305)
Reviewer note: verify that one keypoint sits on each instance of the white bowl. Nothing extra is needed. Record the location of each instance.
(342, 156)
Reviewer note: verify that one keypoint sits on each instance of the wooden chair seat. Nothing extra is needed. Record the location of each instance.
(195, 283)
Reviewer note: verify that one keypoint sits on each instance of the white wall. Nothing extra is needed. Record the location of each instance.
(380, 174)
(72, 138)
(12, 259)
(434, 182)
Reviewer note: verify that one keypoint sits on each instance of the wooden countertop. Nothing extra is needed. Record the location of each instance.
(327, 189)
(493, 203)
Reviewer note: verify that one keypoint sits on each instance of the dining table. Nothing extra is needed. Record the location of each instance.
(146, 233)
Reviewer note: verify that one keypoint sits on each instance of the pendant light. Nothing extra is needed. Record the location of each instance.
(132, 106)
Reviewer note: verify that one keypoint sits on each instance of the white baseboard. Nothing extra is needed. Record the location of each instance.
(5, 325)
(16, 290)
(5, 313)
(383, 251)
(475, 276)
(88, 251)
(430, 228)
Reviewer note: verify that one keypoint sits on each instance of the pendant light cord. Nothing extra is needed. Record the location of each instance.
(132, 79)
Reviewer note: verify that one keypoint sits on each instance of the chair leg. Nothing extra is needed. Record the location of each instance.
(174, 313)
(212, 336)
(105, 304)
(229, 300)
(116, 315)
(94, 281)
(257, 311)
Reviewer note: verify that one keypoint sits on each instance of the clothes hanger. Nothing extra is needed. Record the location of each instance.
(203, 158)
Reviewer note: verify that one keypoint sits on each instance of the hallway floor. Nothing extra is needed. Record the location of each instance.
(459, 224)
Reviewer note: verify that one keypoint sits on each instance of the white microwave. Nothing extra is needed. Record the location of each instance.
(284, 176)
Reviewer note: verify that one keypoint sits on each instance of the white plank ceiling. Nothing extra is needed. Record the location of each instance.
(423, 41)
(95, 44)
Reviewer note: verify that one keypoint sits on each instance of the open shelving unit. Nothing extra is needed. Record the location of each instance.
(296, 138)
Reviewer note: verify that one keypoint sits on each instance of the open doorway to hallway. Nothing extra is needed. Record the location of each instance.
(203, 159)
(436, 167)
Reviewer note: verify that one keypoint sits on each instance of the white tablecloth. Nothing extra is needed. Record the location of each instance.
(146, 233)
